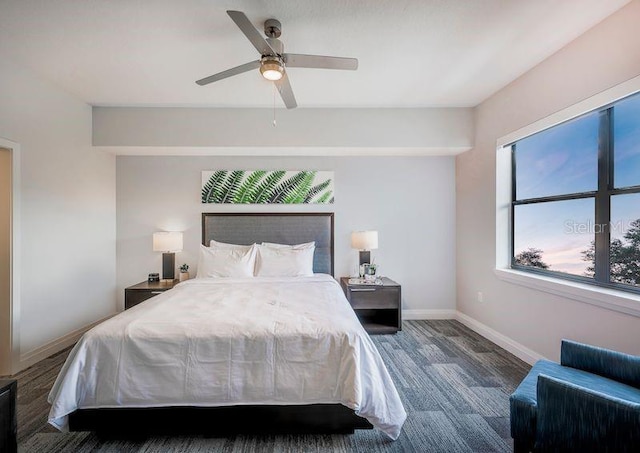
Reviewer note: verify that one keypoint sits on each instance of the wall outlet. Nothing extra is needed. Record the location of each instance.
(480, 297)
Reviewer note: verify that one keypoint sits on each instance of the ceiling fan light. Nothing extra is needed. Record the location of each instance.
(272, 70)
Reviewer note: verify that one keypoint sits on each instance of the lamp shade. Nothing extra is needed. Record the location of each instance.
(364, 240)
(167, 241)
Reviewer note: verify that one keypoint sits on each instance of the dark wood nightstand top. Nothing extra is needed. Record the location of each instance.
(386, 283)
(135, 294)
(155, 286)
(7, 383)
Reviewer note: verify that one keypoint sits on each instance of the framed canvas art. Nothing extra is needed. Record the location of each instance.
(267, 187)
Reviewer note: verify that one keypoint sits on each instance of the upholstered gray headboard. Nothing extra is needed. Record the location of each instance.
(283, 228)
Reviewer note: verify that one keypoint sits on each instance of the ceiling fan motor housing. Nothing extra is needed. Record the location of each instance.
(272, 28)
(272, 66)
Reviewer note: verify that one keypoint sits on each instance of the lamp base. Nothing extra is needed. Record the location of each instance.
(365, 257)
(168, 266)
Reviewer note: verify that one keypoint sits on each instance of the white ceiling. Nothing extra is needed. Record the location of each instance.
(420, 53)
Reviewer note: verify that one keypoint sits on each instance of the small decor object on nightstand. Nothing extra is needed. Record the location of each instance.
(365, 241)
(370, 272)
(184, 272)
(362, 281)
(153, 277)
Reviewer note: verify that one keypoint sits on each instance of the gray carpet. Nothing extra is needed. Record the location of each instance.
(454, 384)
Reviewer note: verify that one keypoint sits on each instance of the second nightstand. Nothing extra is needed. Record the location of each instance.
(8, 420)
(378, 307)
(142, 291)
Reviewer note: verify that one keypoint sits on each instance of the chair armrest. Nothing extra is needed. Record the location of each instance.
(614, 365)
(573, 418)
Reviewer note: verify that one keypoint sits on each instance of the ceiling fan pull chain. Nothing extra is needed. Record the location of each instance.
(275, 124)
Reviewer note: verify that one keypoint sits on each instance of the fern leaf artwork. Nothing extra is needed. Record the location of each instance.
(267, 187)
(287, 187)
(211, 189)
(326, 197)
(246, 192)
(315, 190)
(298, 193)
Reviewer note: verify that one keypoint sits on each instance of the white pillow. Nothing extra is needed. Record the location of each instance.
(224, 245)
(306, 245)
(284, 262)
(226, 262)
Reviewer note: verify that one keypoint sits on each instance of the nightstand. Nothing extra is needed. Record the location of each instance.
(8, 420)
(378, 307)
(142, 291)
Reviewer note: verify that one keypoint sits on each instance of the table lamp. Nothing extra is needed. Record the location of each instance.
(168, 242)
(365, 241)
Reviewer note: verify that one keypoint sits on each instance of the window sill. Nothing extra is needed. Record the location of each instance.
(602, 297)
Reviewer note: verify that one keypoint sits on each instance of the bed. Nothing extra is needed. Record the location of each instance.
(218, 356)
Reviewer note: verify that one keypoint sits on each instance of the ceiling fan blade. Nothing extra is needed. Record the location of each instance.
(296, 60)
(284, 88)
(229, 72)
(251, 33)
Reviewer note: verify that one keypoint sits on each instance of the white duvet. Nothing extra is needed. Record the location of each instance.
(224, 342)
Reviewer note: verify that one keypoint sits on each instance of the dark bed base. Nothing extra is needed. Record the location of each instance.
(218, 421)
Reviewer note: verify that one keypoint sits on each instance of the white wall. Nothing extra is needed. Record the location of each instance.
(409, 200)
(603, 57)
(67, 209)
(440, 129)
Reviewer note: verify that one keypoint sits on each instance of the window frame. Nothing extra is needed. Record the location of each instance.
(602, 202)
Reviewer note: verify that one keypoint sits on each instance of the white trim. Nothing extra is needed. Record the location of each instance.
(281, 151)
(35, 355)
(611, 299)
(605, 97)
(515, 348)
(428, 314)
(14, 290)
(503, 207)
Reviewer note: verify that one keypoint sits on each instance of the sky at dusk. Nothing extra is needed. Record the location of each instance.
(563, 160)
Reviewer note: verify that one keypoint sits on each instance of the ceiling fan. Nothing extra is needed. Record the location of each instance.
(273, 61)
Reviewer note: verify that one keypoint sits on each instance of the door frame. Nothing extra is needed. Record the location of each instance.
(14, 278)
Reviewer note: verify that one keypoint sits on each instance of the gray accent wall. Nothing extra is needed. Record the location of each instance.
(409, 200)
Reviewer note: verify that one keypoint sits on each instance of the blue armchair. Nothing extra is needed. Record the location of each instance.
(588, 402)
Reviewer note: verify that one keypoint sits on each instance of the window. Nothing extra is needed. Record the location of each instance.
(575, 204)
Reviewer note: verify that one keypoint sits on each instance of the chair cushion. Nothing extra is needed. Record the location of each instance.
(523, 401)
(614, 365)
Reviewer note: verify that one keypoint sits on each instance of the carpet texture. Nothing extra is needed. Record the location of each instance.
(454, 384)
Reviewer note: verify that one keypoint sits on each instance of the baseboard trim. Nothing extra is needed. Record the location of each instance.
(515, 348)
(42, 352)
(428, 314)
